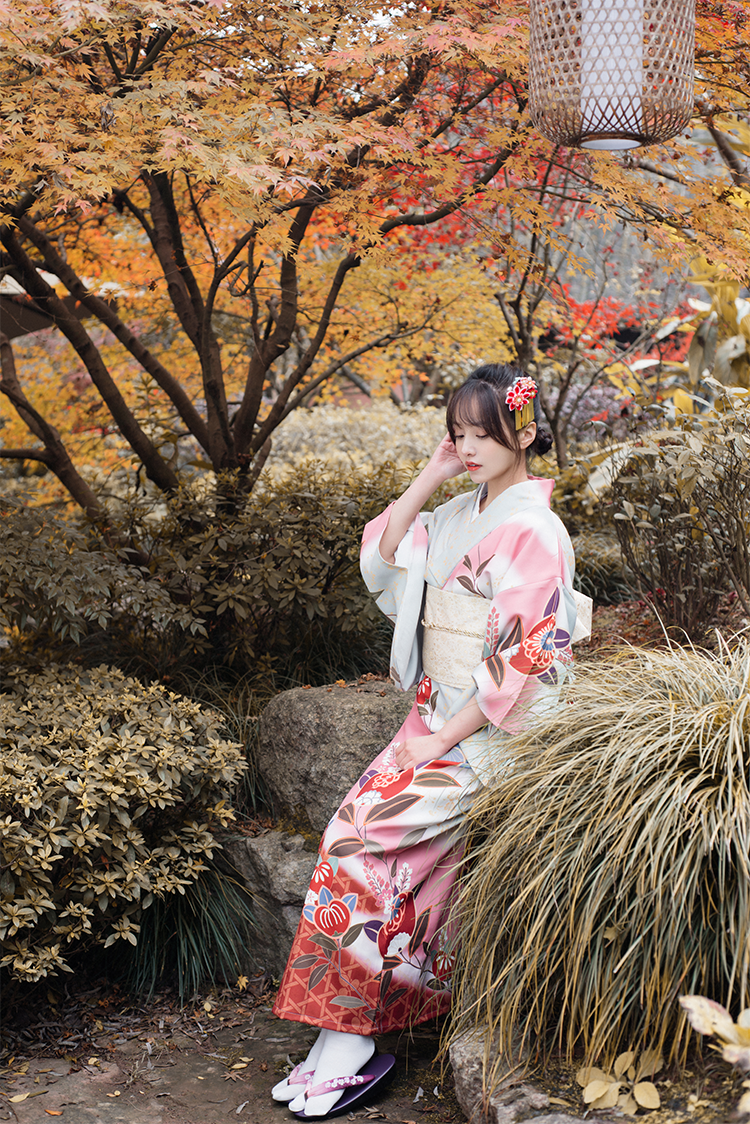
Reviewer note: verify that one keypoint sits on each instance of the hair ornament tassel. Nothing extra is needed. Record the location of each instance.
(520, 398)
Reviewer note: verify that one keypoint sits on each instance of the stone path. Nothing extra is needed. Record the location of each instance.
(213, 1077)
(140, 1070)
(218, 1074)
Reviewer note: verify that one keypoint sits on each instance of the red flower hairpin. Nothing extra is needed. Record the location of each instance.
(520, 397)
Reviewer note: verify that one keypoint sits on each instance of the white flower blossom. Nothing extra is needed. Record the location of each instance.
(399, 942)
(403, 878)
(372, 797)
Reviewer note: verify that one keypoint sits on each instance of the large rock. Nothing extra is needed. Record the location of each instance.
(510, 1101)
(316, 742)
(276, 868)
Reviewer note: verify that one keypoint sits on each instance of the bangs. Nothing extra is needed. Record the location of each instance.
(478, 405)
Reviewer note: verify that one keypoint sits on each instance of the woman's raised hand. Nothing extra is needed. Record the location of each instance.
(442, 465)
(445, 461)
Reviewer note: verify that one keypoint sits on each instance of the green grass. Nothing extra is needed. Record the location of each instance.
(189, 940)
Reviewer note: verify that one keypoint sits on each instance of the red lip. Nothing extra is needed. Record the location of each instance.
(472, 465)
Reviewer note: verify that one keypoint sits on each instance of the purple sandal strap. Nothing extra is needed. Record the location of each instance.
(335, 1084)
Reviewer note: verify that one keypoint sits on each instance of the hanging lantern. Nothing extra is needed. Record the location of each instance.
(611, 73)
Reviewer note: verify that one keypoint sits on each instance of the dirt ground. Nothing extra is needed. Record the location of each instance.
(93, 1057)
(94, 1060)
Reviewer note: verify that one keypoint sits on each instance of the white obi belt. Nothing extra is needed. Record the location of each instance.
(454, 631)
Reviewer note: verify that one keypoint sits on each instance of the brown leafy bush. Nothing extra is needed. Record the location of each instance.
(109, 794)
(54, 580)
(599, 568)
(682, 514)
(269, 585)
(274, 588)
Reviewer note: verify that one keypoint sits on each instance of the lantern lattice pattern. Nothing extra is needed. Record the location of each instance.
(611, 73)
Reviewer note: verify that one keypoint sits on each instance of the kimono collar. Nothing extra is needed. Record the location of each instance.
(534, 492)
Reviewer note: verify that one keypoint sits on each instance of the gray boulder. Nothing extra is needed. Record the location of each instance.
(276, 868)
(315, 743)
(512, 1100)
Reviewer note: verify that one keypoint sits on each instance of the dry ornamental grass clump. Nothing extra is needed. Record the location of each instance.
(610, 871)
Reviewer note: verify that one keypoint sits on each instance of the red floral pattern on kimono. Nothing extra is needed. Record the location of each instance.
(372, 951)
(369, 955)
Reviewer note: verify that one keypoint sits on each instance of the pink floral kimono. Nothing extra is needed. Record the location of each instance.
(371, 952)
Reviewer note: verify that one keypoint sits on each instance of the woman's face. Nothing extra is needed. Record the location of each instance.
(489, 462)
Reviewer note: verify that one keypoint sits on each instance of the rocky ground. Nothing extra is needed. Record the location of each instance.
(94, 1058)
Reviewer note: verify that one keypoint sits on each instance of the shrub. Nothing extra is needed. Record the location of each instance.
(572, 499)
(608, 871)
(109, 794)
(190, 939)
(682, 514)
(55, 581)
(273, 587)
(599, 569)
(267, 585)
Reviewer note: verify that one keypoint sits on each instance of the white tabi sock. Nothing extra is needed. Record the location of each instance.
(285, 1091)
(343, 1055)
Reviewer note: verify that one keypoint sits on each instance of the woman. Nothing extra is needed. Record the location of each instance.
(481, 595)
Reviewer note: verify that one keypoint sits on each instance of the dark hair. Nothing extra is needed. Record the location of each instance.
(480, 402)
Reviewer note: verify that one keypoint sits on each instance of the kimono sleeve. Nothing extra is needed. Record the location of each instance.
(529, 627)
(398, 588)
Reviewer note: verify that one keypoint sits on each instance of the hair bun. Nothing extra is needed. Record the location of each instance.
(542, 442)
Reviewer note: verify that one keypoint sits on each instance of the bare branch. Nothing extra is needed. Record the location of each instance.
(276, 414)
(259, 461)
(153, 49)
(415, 218)
(737, 168)
(107, 315)
(344, 360)
(54, 455)
(201, 222)
(156, 468)
(26, 454)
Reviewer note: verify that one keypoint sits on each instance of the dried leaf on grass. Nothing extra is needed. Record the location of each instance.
(646, 1093)
(602, 1094)
(623, 1062)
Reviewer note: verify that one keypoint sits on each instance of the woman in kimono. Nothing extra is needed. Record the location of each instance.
(480, 591)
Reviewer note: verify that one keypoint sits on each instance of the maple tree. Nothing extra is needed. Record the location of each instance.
(219, 137)
(207, 180)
